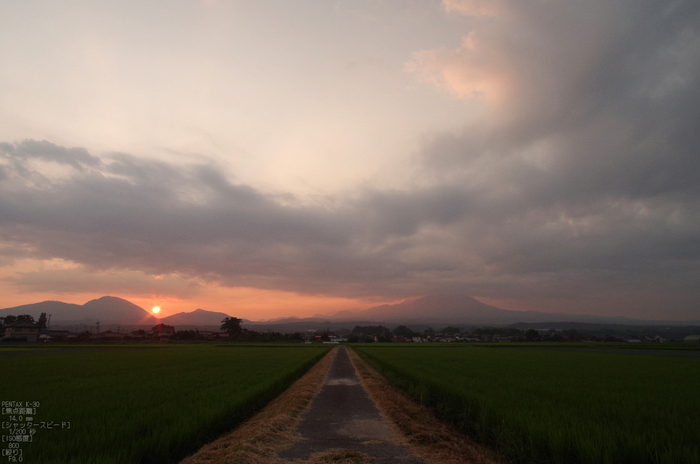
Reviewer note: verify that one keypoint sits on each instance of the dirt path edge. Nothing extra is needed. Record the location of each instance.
(431, 439)
(274, 428)
(260, 438)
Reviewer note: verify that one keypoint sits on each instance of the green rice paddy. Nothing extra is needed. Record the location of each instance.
(542, 406)
(142, 405)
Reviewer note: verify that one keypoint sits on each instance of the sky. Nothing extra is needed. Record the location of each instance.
(270, 159)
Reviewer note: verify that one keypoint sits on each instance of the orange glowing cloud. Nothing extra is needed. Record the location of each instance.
(479, 69)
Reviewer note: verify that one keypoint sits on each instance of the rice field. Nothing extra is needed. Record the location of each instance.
(142, 405)
(541, 406)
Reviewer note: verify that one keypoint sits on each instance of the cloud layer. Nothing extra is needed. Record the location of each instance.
(577, 187)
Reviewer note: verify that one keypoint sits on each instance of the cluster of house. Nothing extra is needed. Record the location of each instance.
(493, 335)
(455, 339)
(24, 331)
(31, 332)
(471, 338)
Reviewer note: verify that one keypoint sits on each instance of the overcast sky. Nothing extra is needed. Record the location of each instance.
(268, 158)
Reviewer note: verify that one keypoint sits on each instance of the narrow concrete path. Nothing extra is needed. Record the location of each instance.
(342, 416)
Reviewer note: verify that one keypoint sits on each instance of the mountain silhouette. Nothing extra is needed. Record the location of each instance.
(198, 317)
(106, 310)
(460, 309)
(430, 309)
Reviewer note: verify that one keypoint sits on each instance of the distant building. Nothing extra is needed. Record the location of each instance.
(211, 335)
(22, 331)
(163, 331)
(109, 335)
(137, 334)
(58, 334)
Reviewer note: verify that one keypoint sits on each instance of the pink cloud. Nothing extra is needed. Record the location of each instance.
(478, 69)
(522, 60)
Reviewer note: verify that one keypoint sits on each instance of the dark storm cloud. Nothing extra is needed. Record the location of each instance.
(126, 213)
(87, 280)
(134, 214)
(584, 172)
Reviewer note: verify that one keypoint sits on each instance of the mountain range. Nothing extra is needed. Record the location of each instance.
(105, 310)
(112, 310)
(453, 309)
(461, 309)
(431, 309)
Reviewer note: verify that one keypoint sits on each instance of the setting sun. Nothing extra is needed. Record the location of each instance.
(156, 309)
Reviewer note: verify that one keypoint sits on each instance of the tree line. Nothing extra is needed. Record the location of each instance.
(232, 326)
(11, 319)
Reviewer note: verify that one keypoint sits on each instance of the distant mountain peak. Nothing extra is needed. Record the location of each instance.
(197, 317)
(109, 298)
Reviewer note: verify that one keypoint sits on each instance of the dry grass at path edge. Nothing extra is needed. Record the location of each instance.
(262, 437)
(431, 439)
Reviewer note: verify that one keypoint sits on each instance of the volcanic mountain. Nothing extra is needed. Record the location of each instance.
(198, 317)
(458, 309)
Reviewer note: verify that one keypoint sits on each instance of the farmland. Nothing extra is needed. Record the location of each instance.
(543, 406)
(143, 404)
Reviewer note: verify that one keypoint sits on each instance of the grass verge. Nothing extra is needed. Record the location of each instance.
(556, 407)
(430, 438)
(263, 436)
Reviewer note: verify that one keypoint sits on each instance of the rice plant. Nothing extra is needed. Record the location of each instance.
(541, 406)
(148, 405)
